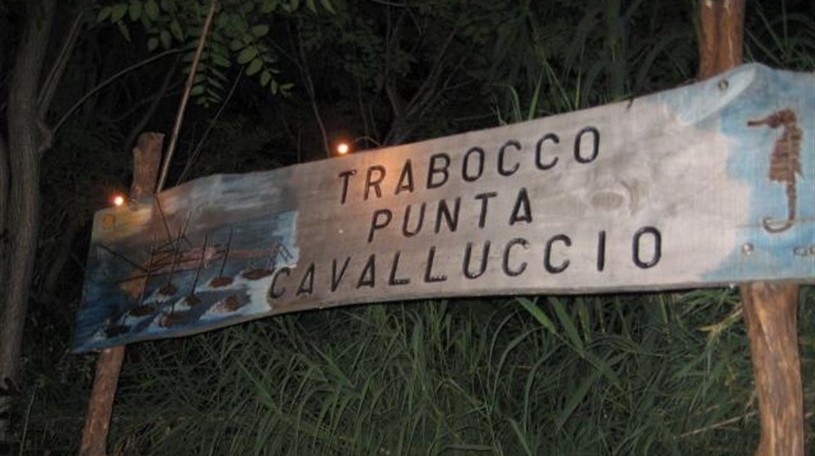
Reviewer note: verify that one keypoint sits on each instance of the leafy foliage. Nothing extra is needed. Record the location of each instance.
(240, 36)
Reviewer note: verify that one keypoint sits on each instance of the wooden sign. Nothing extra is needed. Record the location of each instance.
(704, 185)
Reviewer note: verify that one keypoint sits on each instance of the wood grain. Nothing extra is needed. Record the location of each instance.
(770, 313)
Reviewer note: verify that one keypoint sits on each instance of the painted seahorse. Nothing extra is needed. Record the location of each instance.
(785, 162)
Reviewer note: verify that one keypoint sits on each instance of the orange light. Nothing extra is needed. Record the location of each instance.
(343, 148)
(118, 200)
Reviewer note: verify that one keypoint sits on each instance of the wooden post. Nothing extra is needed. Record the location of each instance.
(721, 40)
(770, 310)
(771, 316)
(146, 160)
(146, 180)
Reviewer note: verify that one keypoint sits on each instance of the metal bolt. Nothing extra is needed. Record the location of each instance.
(723, 85)
(747, 248)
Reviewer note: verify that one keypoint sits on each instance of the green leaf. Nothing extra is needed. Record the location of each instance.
(311, 6)
(220, 60)
(175, 27)
(268, 6)
(152, 43)
(213, 95)
(247, 7)
(117, 12)
(151, 9)
(522, 436)
(123, 28)
(217, 45)
(218, 73)
(291, 6)
(247, 54)
(197, 90)
(254, 67)
(538, 314)
(212, 82)
(135, 10)
(165, 39)
(285, 89)
(168, 5)
(104, 13)
(576, 398)
(328, 6)
(235, 45)
(260, 30)
(568, 325)
(265, 77)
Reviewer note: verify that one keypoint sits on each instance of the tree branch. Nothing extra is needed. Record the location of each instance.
(155, 100)
(197, 150)
(49, 87)
(182, 107)
(306, 73)
(107, 82)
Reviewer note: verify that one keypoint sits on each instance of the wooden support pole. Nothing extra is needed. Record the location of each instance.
(146, 160)
(721, 36)
(770, 310)
(771, 316)
(146, 180)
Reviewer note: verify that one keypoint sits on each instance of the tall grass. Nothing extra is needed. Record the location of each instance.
(629, 374)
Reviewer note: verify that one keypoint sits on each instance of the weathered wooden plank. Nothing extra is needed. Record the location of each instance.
(703, 185)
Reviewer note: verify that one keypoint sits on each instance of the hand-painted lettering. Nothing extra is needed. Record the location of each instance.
(373, 182)
(656, 249)
(485, 254)
(439, 164)
(466, 168)
(502, 170)
(547, 256)
(345, 176)
(509, 271)
(380, 219)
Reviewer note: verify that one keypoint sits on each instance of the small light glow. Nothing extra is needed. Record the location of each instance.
(343, 148)
(118, 200)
